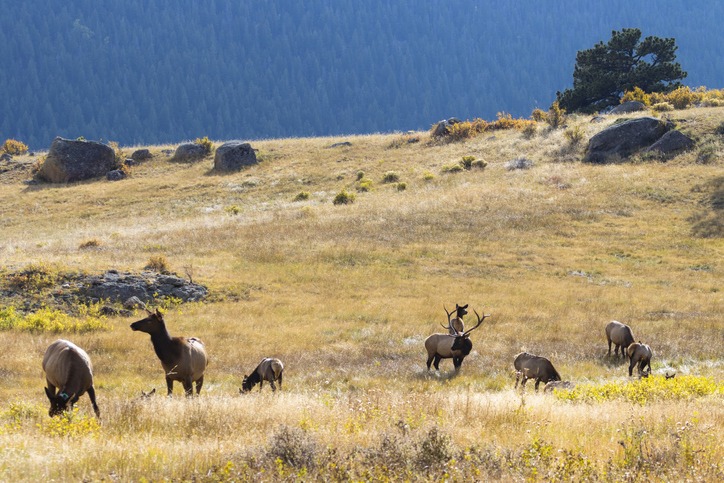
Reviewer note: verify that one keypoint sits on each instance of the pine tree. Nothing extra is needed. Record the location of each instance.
(602, 74)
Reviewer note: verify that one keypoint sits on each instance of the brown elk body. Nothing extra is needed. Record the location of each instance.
(530, 366)
(620, 335)
(68, 369)
(269, 369)
(447, 346)
(183, 359)
(640, 354)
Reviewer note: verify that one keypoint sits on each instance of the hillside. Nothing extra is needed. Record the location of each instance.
(140, 72)
(345, 295)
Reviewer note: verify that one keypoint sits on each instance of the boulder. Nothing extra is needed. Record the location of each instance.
(189, 152)
(141, 155)
(68, 161)
(119, 287)
(624, 139)
(442, 128)
(630, 106)
(115, 175)
(233, 156)
(672, 142)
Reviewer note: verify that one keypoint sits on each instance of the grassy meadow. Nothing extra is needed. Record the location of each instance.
(345, 295)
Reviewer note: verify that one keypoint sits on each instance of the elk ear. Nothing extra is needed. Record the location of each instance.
(158, 313)
(465, 306)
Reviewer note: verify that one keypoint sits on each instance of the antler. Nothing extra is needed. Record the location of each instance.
(480, 321)
(449, 322)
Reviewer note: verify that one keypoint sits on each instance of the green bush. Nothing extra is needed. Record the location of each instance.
(364, 185)
(157, 263)
(390, 177)
(302, 196)
(401, 186)
(343, 198)
(11, 146)
(205, 143)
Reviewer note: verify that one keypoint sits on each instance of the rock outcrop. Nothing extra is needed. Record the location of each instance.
(76, 160)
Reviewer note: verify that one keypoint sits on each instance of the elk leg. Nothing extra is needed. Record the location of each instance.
(457, 362)
(169, 386)
(630, 367)
(522, 382)
(92, 396)
(517, 378)
(199, 383)
(188, 387)
(274, 388)
(437, 362)
(537, 382)
(609, 347)
(429, 361)
(280, 381)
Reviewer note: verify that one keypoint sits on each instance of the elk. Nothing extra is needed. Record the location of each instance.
(640, 354)
(269, 369)
(530, 366)
(68, 369)
(183, 359)
(621, 336)
(447, 346)
(456, 325)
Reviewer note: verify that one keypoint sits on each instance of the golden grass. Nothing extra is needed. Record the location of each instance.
(346, 294)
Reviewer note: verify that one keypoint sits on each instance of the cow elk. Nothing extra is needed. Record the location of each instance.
(529, 366)
(447, 346)
(620, 335)
(269, 369)
(455, 326)
(183, 359)
(68, 369)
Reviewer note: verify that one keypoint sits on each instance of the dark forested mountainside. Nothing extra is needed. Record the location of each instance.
(147, 71)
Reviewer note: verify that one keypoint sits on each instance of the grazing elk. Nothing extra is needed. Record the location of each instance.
(455, 325)
(530, 366)
(640, 354)
(269, 369)
(446, 346)
(621, 336)
(183, 359)
(68, 369)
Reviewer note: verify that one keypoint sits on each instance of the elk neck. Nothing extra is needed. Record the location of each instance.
(165, 347)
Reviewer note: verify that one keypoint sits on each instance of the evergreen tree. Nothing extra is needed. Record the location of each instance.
(602, 74)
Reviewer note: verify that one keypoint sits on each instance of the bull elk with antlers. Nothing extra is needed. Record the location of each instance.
(448, 346)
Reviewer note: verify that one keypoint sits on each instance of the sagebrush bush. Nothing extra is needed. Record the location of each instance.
(343, 198)
(302, 196)
(574, 135)
(401, 186)
(293, 447)
(11, 146)
(157, 263)
(93, 243)
(364, 185)
(662, 107)
(637, 94)
(391, 177)
(556, 115)
(34, 278)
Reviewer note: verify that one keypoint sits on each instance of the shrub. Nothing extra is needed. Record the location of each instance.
(662, 107)
(360, 175)
(302, 196)
(719, 129)
(401, 186)
(48, 320)
(574, 135)
(467, 162)
(157, 263)
(479, 164)
(70, 423)
(637, 94)
(233, 210)
(35, 277)
(293, 447)
(343, 198)
(539, 115)
(452, 168)
(530, 130)
(682, 97)
(556, 116)
(89, 244)
(205, 143)
(364, 185)
(428, 176)
(434, 449)
(390, 177)
(11, 146)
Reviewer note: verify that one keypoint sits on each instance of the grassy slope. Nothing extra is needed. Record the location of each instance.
(345, 295)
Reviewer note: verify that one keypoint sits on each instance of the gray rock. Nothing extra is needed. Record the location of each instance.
(133, 303)
(442, 128)
(68, 161)
(115, 175)
(233, 156)
(518, 163)
(672, 142)
(189, 152)
(120, 287)
(624, 139)
(141, 155)
(630, 106)
(6, 157)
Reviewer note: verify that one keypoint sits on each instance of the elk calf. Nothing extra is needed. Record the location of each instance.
(183, 359)
(640, 354)
(69, 370)
(269, 369)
